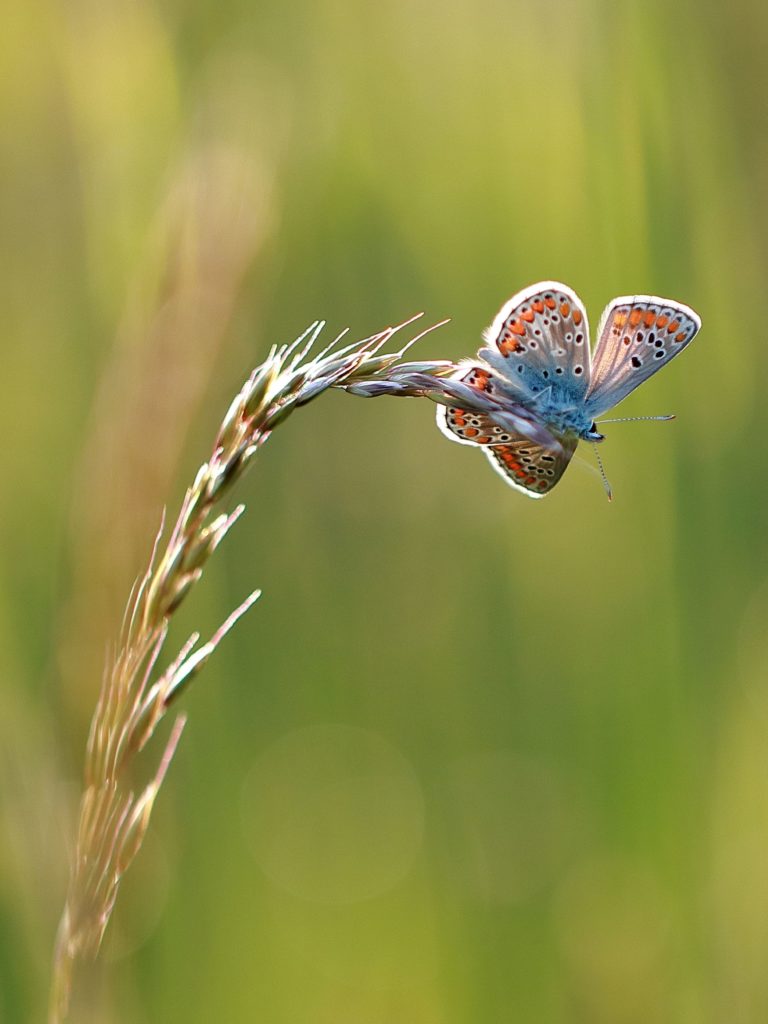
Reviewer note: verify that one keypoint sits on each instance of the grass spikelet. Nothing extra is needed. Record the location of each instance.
(135, 696)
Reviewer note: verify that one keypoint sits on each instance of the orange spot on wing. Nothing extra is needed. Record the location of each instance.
(565, 309)
(538, 305)
(528, 315)
(471, 432)
(530, 480)
(518, 327)
(520, 473)
(650, 318)
(484, 440)
(680, 337)
(673, 327)
(635, 317)
(510, 345)
(620, 319)
(550, 303)
(662, 321)
(577, 318)
(508, 458)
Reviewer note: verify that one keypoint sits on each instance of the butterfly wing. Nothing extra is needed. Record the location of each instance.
(467, 426)
(525, 464)
(490, 411)
(530, 468)
(637, 336)
(540, 340)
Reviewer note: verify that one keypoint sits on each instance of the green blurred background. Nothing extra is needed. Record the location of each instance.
(471, 758)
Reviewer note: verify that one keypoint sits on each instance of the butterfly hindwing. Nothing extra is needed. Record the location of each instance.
(540, 339)
(529, 467)
(637, 336)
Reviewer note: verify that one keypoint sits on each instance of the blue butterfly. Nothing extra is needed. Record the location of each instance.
(537, 355)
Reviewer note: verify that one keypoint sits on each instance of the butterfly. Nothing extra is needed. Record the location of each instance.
(537, 356)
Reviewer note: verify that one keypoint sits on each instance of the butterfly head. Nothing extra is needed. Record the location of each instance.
(592, 433)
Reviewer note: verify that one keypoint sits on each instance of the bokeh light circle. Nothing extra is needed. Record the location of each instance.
(333, 813)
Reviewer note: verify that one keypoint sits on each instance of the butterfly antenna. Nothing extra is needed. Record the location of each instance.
(632, 419)
(606, 485)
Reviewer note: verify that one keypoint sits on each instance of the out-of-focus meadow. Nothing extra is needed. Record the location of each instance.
(471, 757)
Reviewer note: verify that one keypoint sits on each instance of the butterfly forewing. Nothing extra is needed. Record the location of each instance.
(530, 468)
(471, 426)
(637, 336)
(467, 426)
(540, 339)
